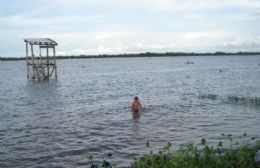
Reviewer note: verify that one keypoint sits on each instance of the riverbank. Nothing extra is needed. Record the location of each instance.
(213, 157)
(147, 54)
(203, 155)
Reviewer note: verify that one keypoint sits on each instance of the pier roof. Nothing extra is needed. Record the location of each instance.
(40, 41)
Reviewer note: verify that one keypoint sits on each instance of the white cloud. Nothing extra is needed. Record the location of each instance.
(157, 5)
(139, 41)
(194, 17)
(249, 16)
(57, 21)
(243, 42)
(198, 5)
(115, 26)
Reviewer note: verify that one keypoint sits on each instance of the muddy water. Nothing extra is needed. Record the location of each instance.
(87, 110)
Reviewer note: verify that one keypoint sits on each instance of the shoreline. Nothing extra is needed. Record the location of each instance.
(147, 54)
(233, 154)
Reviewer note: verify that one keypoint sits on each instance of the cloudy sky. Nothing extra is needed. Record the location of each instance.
(131, 26)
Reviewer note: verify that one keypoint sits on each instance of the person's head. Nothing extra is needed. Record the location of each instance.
(136, 98)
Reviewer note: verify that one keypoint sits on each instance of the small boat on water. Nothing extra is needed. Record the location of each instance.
(189, 62)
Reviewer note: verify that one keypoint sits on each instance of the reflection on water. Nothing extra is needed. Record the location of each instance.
(87, 111)
(136, 116)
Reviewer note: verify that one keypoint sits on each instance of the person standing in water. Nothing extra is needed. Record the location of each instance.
(136, 105)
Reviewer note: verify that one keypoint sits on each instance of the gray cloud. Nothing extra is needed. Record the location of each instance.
(114, 26)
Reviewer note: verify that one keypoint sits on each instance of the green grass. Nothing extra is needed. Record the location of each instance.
(202, 156)
(199, 156)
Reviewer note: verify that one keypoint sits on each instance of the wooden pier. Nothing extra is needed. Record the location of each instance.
(41, 58)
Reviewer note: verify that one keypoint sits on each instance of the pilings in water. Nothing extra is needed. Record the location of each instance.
(41, 62)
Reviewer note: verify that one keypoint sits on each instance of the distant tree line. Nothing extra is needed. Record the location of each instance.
(147, 54)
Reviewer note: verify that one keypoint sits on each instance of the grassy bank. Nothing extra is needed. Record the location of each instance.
(206, 157)
(234, 155)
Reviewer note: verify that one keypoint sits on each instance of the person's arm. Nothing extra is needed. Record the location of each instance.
(140, 106)
(132, 106)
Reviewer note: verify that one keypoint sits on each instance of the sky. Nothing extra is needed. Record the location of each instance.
(131, 26)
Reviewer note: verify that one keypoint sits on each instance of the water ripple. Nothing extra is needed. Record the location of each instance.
(87, 111)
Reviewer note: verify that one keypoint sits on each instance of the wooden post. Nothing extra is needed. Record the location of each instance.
(40, 53)
(33, 66)
(54, 57)
(27, 61)
(47, 61)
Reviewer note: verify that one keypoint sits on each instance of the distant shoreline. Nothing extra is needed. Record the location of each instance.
(147, 54)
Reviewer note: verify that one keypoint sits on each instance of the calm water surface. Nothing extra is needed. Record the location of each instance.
(87, 110)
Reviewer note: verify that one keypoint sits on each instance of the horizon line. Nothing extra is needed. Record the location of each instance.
(143, 54)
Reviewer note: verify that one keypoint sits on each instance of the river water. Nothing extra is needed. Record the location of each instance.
(87, 110)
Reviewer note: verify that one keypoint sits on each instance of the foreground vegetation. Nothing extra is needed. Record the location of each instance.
(199, 156)
(207, 157)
